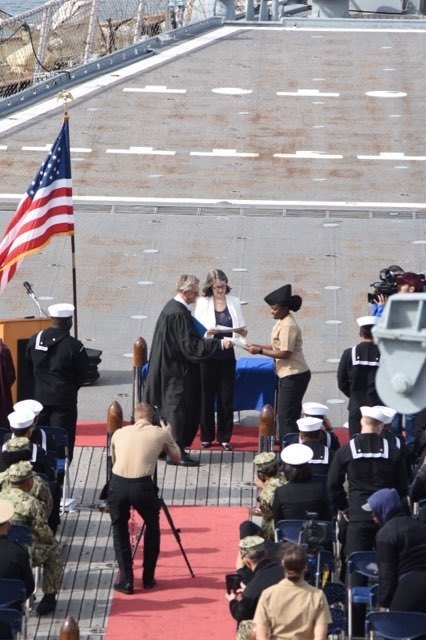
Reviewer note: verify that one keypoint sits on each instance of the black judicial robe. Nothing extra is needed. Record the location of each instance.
(173, 380)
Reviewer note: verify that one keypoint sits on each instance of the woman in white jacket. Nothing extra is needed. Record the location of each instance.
(218, 311)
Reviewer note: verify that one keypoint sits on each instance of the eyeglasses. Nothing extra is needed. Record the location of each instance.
(218, 287)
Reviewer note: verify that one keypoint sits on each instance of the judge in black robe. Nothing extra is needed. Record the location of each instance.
(173, 380)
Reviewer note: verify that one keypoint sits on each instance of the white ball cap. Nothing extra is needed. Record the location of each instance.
(314, 409)
(296, 454)
(388, 412)
(21, 419)
(365, 321)
(377, 413)
(62, 310)
(306, 425)
(28, 405)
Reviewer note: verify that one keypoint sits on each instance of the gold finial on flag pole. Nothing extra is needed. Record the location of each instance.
(65, 97)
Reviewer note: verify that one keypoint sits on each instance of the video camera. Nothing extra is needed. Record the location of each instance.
(313, 533)
(386, 286)
(156, 417)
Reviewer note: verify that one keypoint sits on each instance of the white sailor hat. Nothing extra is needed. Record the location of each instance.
(388, 412)
(21, 419)
(365, 321)
(314, 409)
(28, 405)
(296, 454)
(62, 310)
(306, 425)
(6, 511)
(377, 412)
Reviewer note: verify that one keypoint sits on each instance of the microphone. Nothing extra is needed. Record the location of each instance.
(27, 286)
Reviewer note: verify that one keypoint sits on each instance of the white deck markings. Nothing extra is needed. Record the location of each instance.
(386, 94)
(47, 147)
(147, 151)
(113, 77)
(392, 156)
(309, 92)
(232, 91)
(310, 155)
(338, 204)
(153, 88)
(224, 153)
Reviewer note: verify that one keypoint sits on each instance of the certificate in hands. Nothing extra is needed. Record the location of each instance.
(222, 329)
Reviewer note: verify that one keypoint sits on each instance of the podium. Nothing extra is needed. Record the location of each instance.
(15, 333)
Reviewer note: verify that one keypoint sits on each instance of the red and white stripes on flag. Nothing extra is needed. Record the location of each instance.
(45, 210)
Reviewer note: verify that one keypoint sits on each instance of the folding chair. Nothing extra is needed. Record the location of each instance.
(23, 535)
(11, 592)
(362, 563)
(13, 618)
(336, 593)
(3, 434)
(396, 625)
(338, 625)
(290, 438)
(62, 462)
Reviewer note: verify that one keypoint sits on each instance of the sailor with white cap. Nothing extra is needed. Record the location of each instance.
(310, 435)
(319, 410)
(20, 446)
(356, 373)
(59, 364)
(366, 464)
(14, 559)
(39, 435)
(301, 494)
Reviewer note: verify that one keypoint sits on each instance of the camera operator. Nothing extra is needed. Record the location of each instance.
(266, 572)
(134, 453)
(384, 288)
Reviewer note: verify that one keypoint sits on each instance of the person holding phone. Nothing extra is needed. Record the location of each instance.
(266, 572)
(222, 316)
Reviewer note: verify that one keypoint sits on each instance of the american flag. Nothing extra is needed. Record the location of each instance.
(45, 210)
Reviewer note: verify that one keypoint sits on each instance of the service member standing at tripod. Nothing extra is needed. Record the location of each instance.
(134, 453)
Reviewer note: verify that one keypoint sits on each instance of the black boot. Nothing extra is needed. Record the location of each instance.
(47, 604)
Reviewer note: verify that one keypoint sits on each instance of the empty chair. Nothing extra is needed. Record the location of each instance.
(13, 594)
(338, 626)
(362, 563)
(13, 618)
(396, 625)
(336, 593)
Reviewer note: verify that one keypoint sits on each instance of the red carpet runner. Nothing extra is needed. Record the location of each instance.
(181, 607)
(93, 434)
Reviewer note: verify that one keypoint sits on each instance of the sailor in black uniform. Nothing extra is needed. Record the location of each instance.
(39, 436)
(59, 364)
(310, 435)
(356, 373)
(369, 462)
(320, 411)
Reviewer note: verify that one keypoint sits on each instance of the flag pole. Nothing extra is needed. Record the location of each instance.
(66, 97)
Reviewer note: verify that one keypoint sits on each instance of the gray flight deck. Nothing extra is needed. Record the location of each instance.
(175, 169)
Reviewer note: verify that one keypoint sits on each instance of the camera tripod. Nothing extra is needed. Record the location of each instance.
(174, 530)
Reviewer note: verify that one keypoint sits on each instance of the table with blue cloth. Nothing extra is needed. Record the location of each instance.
(255, 383)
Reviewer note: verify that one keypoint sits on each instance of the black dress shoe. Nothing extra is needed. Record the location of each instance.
(123, 587)
(150, 585)
(185, 462)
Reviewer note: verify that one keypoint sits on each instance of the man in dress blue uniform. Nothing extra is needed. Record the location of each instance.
(59, 364)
